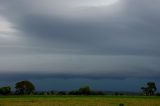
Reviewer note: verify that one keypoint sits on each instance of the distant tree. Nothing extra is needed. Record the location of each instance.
(52, 92)
(116, 93)
(41, 93)
(150, 89)
(61, 93)
(5, 90)
(145, 90)
(74, 92)
(85, 90)
(24, 87)
(97, 93)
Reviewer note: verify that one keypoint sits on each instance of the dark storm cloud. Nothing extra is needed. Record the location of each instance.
(34, 76)
(133, 30)
(127, 32)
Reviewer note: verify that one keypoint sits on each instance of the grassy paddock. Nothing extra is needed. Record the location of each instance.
(79, 101)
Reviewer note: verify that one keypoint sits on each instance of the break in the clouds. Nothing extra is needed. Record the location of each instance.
(80, 38)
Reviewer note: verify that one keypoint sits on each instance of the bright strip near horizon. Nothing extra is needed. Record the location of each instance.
(97, 3)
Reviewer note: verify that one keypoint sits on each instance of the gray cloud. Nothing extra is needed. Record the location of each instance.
(91, 66)
(67, 39)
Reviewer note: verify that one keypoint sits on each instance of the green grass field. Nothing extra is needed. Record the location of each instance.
(78, 101)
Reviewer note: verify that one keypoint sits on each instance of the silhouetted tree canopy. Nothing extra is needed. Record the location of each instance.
(61, 93)
(85, 90)
(5, 90)
(150, 89)
(24, 87)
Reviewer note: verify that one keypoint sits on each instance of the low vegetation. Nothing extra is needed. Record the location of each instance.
(26, 95)
(79, 101)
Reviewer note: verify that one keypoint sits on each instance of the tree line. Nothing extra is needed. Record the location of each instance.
(28, 88)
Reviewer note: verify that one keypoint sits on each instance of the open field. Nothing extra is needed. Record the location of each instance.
(78, 101)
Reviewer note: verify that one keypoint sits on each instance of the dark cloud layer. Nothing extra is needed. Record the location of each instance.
(70, 41)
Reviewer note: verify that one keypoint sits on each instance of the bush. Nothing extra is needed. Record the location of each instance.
(158, 94)
(85, 90)
(121, 104)
(97, 93)
(61, 93)
(73, 93)
(5, 90)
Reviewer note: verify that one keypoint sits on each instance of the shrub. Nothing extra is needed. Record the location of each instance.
(5, 90)
(61, 93)
(121, 104)
(158, 94)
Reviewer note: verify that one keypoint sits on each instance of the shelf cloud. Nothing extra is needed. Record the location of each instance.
(83, 38)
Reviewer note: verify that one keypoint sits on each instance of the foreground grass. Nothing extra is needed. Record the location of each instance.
(79, 101)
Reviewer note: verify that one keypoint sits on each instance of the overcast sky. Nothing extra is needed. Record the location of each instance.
(91, 39)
